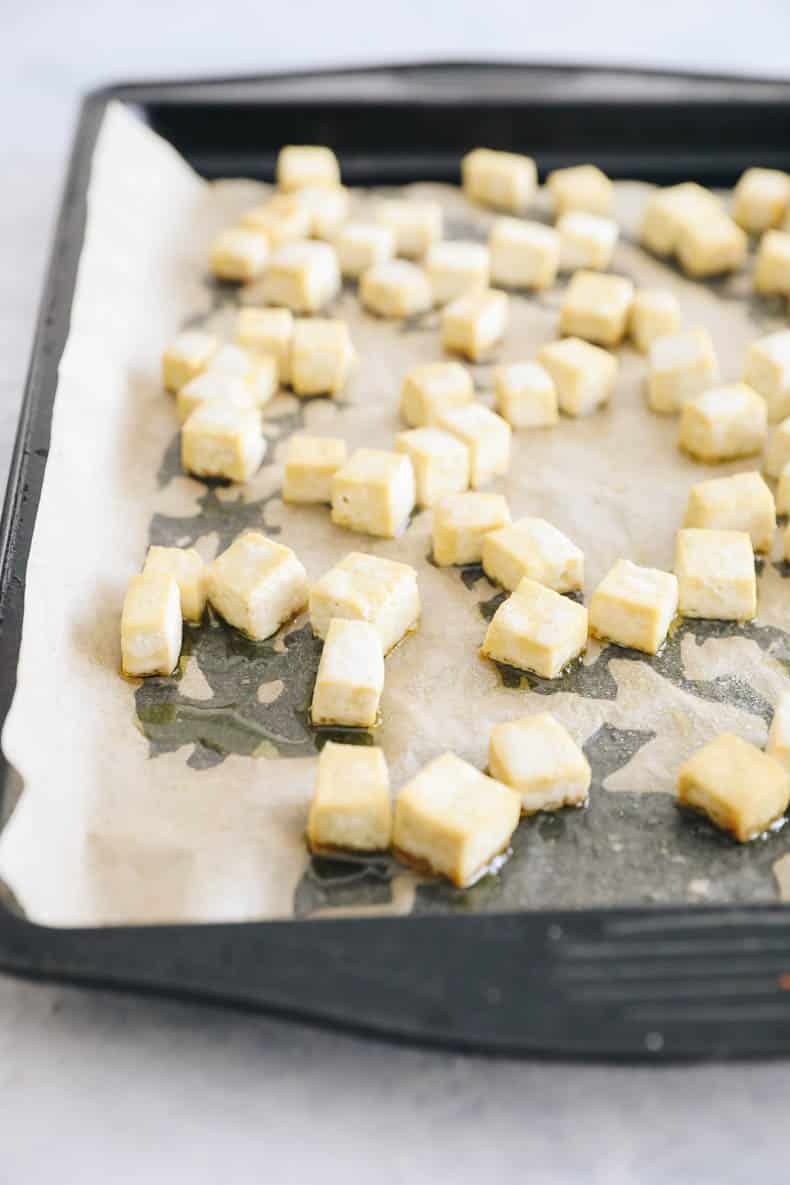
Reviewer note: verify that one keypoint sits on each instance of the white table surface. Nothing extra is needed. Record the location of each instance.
(106, 1088)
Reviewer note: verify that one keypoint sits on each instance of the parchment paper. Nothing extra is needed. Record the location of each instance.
(186, 798)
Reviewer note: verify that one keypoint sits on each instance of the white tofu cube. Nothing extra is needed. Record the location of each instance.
(586, 241)
(310, 464)
(151, 626)
(740, 789)
(475, 322)
(655, 313)
(283, 219)
(537, 630)
(525, 395)
(487, 437)
(461, 523)
(368, 588)
(767, 370)
(777, 449)
(415, 225)
(441, 463)
(581, 187)
(583, 375)
(259, 371)
(723, 423)
(742, 502)
(772, 266)
(322, 356)
(186, 567)
(778, 744)
(395, 289)
(452, 820)
(539, 759)
(760, 199)
(502, 180)
(351, 806)
(350, 676)
(430, 390)
(669, 210)
(523, 254)
(267, 332)
(186, 358)
(634, 606)
(327, 208)
(256, 585)
(534, 548)
(222, 441)
(299, 165)
(716, 576)
(361, 245)
(455, 268)
(228, 390)
(239, 254)
(596, 308)
(782, 493)
(680, 366)
(302, 276)
(710, 244)
(374, 492)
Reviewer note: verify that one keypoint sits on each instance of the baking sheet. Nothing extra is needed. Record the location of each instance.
(186, 798)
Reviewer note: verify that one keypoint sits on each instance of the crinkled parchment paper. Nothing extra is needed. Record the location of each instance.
(186, 798)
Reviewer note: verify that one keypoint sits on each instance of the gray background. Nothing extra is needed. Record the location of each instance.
(103, 1088)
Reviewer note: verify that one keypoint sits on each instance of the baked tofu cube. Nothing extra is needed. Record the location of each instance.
(222, 441)
(327, 208)
(711, 244)
(310, 464)
(440, 462)
(283, 219)
(742, 502)
(151, 626)
(299, 165)
(777, 449)
(634, 606)
(455, 268)
(430, 390)
(452, 820)
(374, 492)
(716, 577)
(351, 806)
(586, 241)
(395, 289)
(654, 313)
(186, 358)
(523, 254)
(581, 187)
(583, 375)
(256, 585)
(361, 245)
(474, 323)
(772, 266)
(525, 395)
(680, 366)
(227, 390)
(596, 308)
(669, 210)
(723, 423)
(267, 332)
(537, 630)
(767, 370)
(239, 254)
(322, 356)
(415, 225)
(350, 676)
(740, 789)
(186, 567)
(760, 199)
(487, 437)
(368, 588)
(533, 547)
(782, 495)
(502, 180)
(539, 759)
(778, 744)
(302, 276)
(461, 523)
(258, 371)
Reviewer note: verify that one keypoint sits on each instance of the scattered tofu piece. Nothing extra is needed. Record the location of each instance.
(742, 502)
(259, 371)
(782, 494)
(374, 492)
(415, 225)
(327, 207)
(455, 268)
(310, 464)
(711, 244)
(395, 289)
(777, 449)
(655, 313)
(256, 585)
(680, 365)
(322, 356)
(222, 441)
(430, 390)
(453, 820)
(716, 576)
(586, 241)
(596, 308)
(767, 370)
(534, 548)
(503, 180)
(539, 758)
(228, 390)
(487, 437)
(361, 245)
(538, 630)
(302, 276)
(350, 676)
(461, 523)
(634, 606)
(151, 626)
(186, 357)
(760, 199)
(581, 187)
(441, 462)
(283, 219)
(778, 744)
(723, 423)
(267, 332)
(740, 789)
(523, 254)
(299, 165)
(584, 375)
(239, 254)
(669, 210)
(368, 588)
(351, 806)
(525, 395)
(475, 322)
(772, 266)
(186, 567)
